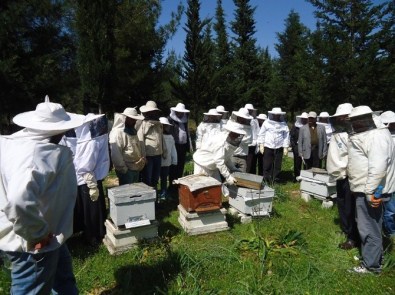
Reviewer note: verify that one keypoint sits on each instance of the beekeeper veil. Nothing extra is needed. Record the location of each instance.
(361, 119)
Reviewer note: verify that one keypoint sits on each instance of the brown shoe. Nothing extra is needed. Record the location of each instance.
(347, 245)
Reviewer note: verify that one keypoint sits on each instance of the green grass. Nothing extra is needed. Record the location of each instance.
(292, 252)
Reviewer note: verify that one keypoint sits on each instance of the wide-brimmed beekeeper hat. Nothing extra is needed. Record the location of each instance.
(149, 107)
(387, 117)
(235, 127)
(276, 111)
(243, 112)
(343, 109)
(221, 109)
(212, 112)
(165, 121)
(262, 117)
(360, 111)
(132, 113)
(249, 106)
(49, 116)
(180, 107)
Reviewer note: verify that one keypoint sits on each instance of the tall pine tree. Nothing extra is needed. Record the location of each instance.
(351, 51)
(293, 63)
(247, 83)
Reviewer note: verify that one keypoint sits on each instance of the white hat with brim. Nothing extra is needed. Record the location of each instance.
(304, 115)
(91, 117)
(343, 109)
(312, 115)
(49, 116)
(262, 117)
(221, 109)
(212, 112)
(165, 121)
(243, 112)
(180, 107)
(234, 127)
(388, 117)
(149, 107)
(132, 113)
(360, 111)
(276, 111)
(323, 115)
(249, 106)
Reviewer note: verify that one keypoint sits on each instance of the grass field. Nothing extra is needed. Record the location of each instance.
(292, 252)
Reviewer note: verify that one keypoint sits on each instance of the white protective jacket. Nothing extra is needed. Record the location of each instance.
(328, 130)
(205, 131)
(255, 131)
(336, 163)
(38, 189)
(242, 149)
(150, 134)
(216, 155)
(274, 134)
(126, 150)
(91, 154)
(371, 161)
(169, 157)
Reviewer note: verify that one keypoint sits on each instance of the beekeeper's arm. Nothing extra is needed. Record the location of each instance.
(261, 138)
(117, 145)
(219, 160)
(22, 208)
(378, 149)
(174, 159)
(199, 135)
(300, 142)
(140, 136)
(286, 141)
(325, 144)
(336, 163)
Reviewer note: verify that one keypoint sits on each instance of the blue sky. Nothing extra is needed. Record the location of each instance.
(269, 18)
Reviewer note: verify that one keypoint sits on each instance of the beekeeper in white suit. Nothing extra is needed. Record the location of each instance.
(208, 128)
(92, 163)
(388, 119)
(336, 166)
(38, 188)
(273, 141)
(216, 158)
(371, 172)
(252, 150)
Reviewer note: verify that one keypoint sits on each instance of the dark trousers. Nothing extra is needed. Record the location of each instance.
(251, 160)
(346, 206)
(89, 216)
(177, 171)
(164, 173)
(272, 159)
(314, 160)
(297, 163)
(259, 159)
(151, 171)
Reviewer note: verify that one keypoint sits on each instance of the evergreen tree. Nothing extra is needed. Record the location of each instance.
(194, 90)
(37, 55)
(351, 53)
(222, 56)
(293, 63)
(95, 30)
(246, 65)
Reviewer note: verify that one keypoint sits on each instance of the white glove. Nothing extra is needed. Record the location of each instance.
(285, 152)
(92, 185)
(261, 148)
(231, 180)
(94, 193)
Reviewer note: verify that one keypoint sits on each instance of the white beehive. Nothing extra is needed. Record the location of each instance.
(132, 202)
(316, 182)
(251, 201)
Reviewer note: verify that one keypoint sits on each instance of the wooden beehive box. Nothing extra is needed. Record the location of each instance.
(248, 180)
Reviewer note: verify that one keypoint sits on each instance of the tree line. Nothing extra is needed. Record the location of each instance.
(104, 55)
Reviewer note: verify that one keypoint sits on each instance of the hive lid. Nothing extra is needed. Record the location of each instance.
(196, 182)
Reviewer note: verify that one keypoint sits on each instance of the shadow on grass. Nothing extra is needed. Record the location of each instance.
(79, 248)
(146, 279)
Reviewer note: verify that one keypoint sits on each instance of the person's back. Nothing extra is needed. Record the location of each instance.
(34, 166)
